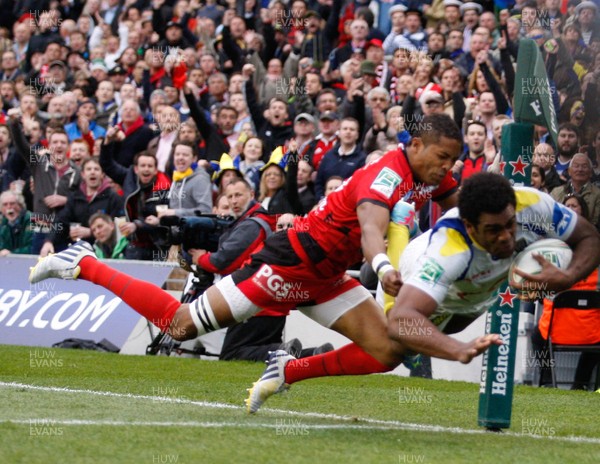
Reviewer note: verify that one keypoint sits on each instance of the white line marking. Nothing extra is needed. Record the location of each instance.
(373, 424)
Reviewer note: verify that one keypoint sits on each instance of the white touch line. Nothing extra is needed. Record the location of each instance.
(373, 423)
(45, 422)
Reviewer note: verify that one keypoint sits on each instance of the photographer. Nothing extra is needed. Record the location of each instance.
(250, 229)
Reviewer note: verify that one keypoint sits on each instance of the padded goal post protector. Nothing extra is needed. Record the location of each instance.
(498, 364)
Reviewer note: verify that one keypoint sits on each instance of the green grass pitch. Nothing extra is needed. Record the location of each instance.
(69, 406)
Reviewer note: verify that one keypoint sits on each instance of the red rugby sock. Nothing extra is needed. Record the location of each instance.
(347, 360)
(150, 301)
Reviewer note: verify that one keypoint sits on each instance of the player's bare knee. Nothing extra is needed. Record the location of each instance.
(393, 330)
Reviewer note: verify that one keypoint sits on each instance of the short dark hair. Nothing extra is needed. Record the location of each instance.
(145, 153)
(58, 130)
(475, 123)
(436, 126)
(192, 145)
(325, 92)
(484, 193)
(226, 108)
(568, 126)
(239, 180)
(585, 210)
(91, 159)
(437, 33)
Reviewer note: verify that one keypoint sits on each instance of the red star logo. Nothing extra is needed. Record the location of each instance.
(502, 165)
(507, 297)
(518, 166)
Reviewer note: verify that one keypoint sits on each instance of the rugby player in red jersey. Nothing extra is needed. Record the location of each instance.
(304, 268)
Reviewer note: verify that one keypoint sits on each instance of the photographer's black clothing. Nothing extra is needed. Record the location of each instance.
(252, 339)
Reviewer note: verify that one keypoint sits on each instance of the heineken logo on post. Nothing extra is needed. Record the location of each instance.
(534, 92)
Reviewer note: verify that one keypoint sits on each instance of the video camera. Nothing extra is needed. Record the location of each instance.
(200, 232)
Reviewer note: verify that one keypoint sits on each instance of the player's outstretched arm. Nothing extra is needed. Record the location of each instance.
(408, 324)
(374, 221)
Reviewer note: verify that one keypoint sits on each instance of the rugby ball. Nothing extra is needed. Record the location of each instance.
(553, 250)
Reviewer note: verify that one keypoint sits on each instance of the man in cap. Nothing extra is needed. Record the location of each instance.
(470, 12)
(85, 122)
(55, 80)
(117, 77)
(395, 38)
(304, 130)
(431, 100)
(587, 17)
(329, 123)
(414, 29)
(452, 13)
(316, 44)
(174, 37)
(375, 53)
(99, 70)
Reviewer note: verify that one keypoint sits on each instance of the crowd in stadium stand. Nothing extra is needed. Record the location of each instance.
(137, 109)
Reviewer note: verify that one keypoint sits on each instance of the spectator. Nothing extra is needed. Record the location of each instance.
(475, 159)
(568, 144)
(133, 136)
(250, 161)
(326, 139)
(304, 128)
(359, 31)
(385, 129)
(107, 244)
(580, 174)
(169, 122)
(10, 66)
(586, 18)
(543, 156)
(305, 187)
(107, 105)
(47, 169)
(344, 158)
(274, 129)
(6, 158)
(332, 184)
(538, 178)
(395, 39)
(278, 187)
(226, 173)
(214, 137)
(452, 15)
(86, 122)
(191, 189)
(93, 195)
(470, 15)
(144, 189)
(16, 235)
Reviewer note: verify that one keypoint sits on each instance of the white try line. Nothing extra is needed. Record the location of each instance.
(354, 422)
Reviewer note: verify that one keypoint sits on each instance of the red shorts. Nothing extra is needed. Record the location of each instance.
(277, 280)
